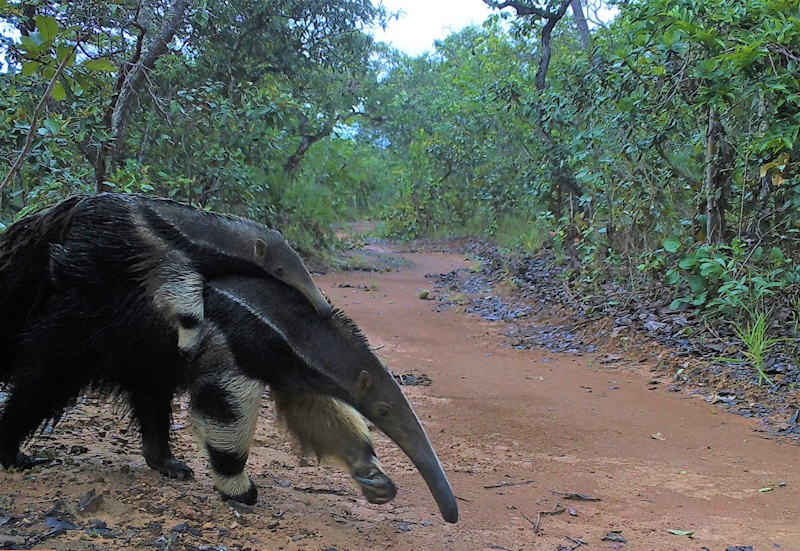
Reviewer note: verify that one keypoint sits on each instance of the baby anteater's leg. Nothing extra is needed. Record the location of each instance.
(332, 429)
(178, 293)
(224, 412)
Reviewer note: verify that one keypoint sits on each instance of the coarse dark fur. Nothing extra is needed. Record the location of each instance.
(24, 259)
(164, 249)
(259, 331)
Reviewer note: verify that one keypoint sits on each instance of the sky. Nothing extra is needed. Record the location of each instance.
(427, 20)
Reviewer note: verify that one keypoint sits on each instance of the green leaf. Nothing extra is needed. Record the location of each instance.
(687, 533)
(58, 93)
(671, 277)
(52, 126)
(697, 283)
(30, 67)
(101, 64)
(688, 263)
(47, 26)
(63, 51)
(700, 299)
(30, 47)
(672, 244)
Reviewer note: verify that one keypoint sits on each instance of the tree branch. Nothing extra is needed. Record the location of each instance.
(520, 8)
(134, 79)
(547, 30)
(306, 141)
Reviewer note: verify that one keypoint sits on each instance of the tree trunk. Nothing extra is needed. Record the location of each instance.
(717, 176)
(580, 23)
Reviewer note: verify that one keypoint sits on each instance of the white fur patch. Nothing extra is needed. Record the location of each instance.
(235, 437)
(236, 485)
(180, 293)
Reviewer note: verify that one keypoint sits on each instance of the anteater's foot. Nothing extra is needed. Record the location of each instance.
(172, 468)
(249, 497)
(23, 461)
(375, 485)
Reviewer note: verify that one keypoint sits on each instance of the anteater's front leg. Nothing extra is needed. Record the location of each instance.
(224, 412)
(332, 429)
(152, 410)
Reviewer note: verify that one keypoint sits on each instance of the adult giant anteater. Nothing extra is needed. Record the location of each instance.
(257, 331)
(162, 249)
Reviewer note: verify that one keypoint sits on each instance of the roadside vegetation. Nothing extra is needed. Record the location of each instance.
(653, 154)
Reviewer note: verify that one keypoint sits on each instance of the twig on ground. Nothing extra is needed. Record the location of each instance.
(577, 542)
(575, 495)
(557, 510)
(313, 490)
(508, 484)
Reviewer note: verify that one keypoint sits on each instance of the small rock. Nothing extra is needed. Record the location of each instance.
(239, 506)
(90, 502)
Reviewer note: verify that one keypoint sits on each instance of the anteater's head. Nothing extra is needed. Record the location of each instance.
(266, 323)
(277, 258)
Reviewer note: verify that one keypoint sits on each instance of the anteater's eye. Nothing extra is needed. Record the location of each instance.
(383, 410)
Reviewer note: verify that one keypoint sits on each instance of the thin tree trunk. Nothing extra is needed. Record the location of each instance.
(580, 23)
(714, 185)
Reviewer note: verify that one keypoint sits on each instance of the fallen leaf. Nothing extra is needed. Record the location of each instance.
(687, 533)
(767, 489)
(657, 436)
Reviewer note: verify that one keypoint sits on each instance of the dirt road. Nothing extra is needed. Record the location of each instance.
(512, 427)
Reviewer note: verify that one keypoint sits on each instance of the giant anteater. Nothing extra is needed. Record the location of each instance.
(257, 331)
(161, 248)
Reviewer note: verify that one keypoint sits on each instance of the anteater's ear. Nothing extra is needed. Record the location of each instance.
(260, 249)
(362, 385)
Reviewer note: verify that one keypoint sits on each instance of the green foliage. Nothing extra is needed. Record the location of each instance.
(756, 341)
(727, 280)
(474, 143)
(229, 117)
(288, 113)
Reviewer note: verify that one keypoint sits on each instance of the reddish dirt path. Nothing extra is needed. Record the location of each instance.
(495, 415)
(556, 422)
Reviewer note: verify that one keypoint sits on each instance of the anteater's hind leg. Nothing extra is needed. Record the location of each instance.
(152, 411)
(332, 429)
(224, 411)
(38, 393)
